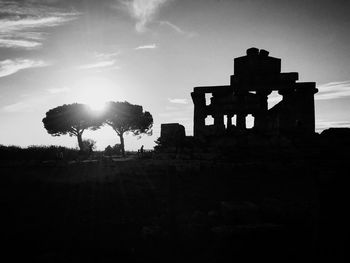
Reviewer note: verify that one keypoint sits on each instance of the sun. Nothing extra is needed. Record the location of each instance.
(94, 99)
(95, 92)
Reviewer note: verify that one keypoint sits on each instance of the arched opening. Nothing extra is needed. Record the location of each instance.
(249, 121)
(208, 97)
(209, 120)
(234, 120)
(226, 121)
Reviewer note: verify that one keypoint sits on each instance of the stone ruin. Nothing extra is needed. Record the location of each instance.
(256, 76)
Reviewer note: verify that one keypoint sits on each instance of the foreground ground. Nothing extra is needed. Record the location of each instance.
(178, 211)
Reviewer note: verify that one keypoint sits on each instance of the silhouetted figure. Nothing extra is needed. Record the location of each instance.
(59, 155)
(141, 150)
(90, 150)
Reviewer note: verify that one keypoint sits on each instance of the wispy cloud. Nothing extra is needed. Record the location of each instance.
(143, 11)
(177, 29)
(151, 46)
(100, 64)
(27, 44)
(102, 61)
(333, 90)
(9, 66)
(178, 101)
(22, 23)
(106, 56)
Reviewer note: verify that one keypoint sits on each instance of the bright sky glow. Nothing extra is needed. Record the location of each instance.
(95, 92)
(152, 53)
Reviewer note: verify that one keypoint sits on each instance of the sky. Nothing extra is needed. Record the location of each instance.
(153, 52)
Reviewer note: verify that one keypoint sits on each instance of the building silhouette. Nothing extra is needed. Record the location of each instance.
(256, 75)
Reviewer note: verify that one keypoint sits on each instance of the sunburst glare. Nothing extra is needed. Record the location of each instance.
(95, 92)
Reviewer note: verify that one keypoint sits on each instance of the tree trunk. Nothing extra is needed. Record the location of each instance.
(122, 144)
(80, 142)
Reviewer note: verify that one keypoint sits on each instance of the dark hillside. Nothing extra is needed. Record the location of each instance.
(173, 210)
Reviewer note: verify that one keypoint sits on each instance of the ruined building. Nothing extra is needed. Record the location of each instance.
(256, 75)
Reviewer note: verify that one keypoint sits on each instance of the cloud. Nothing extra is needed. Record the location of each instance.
(100, 64)
(9, 66)
(143, 11)
(27, 44)
(177, 29)
(16, 24)
(106, 56)
(22, 24)
(333, 90)
(102, 61)
(178, 101)
(151, 46)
